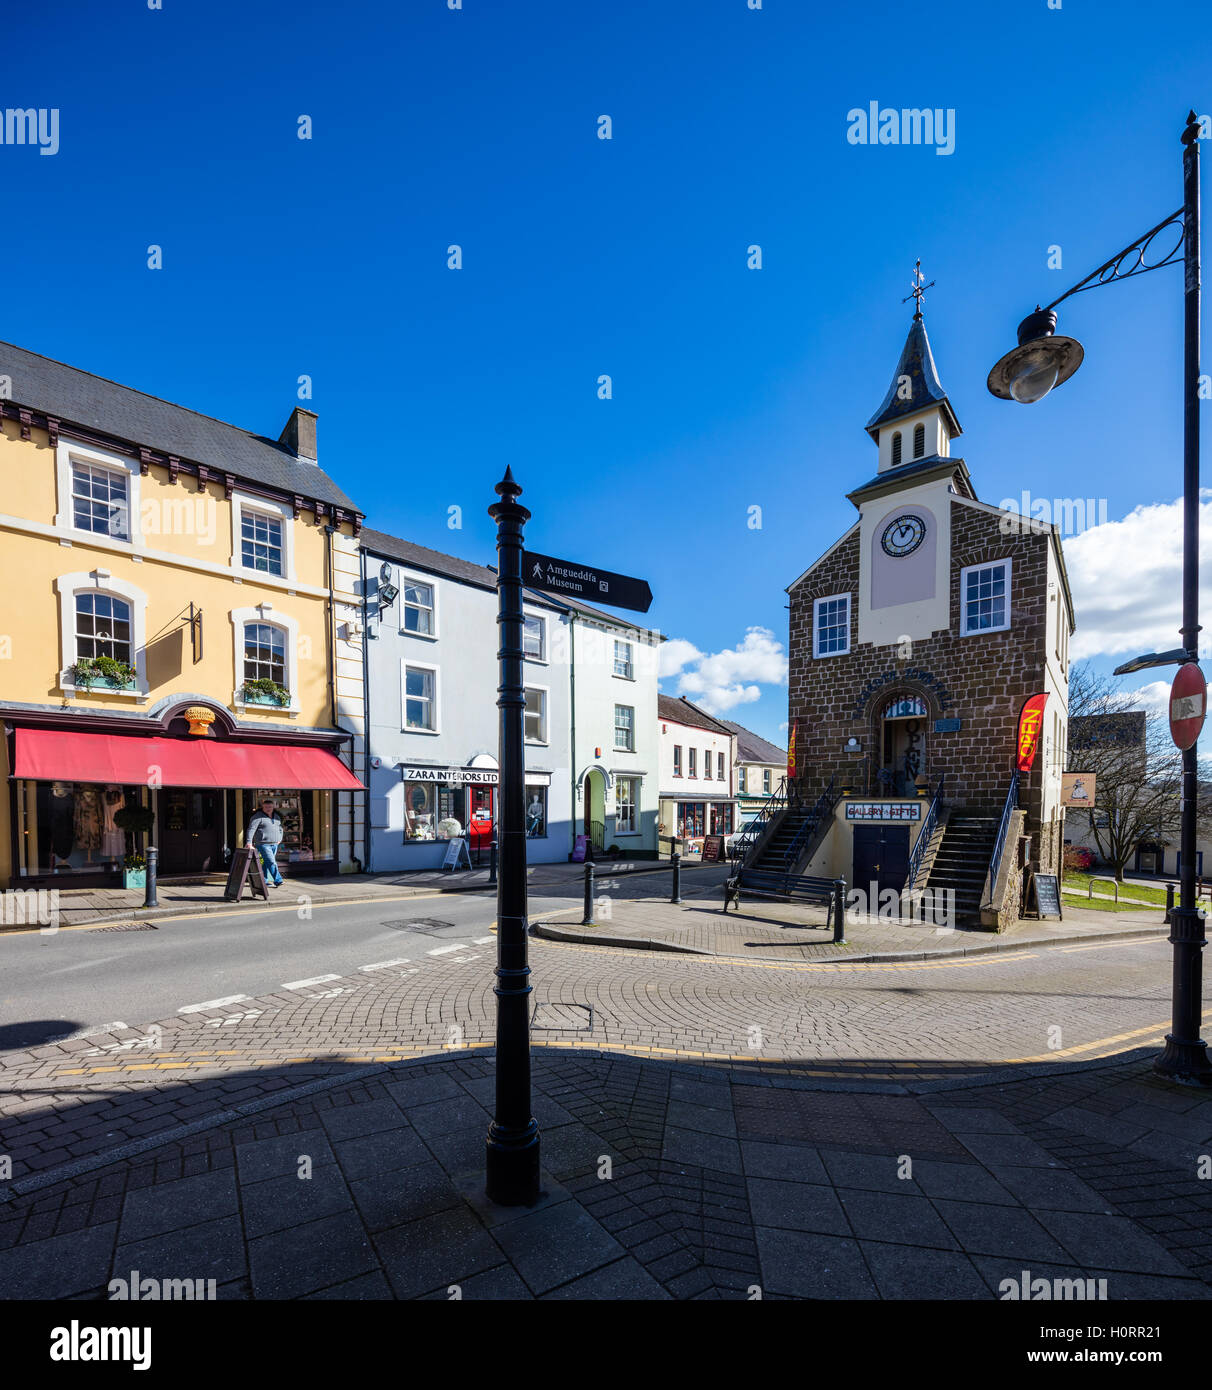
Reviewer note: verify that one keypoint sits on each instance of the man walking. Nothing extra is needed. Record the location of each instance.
(265, 835)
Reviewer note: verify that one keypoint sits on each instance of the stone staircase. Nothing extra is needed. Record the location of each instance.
(961, 862)
(772, 854)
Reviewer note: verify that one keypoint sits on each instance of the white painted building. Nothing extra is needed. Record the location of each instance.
(697, 774)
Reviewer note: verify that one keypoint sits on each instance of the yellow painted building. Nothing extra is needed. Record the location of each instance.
(156, 562)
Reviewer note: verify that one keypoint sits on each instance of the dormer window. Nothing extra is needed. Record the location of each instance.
(896, 449)
(919, 441)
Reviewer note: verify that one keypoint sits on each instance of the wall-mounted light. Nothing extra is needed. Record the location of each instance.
(387, 590)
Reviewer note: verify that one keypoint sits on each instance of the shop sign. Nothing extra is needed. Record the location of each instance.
(1030, 723)
(1077, 789)
(883, 810)
(456, 776)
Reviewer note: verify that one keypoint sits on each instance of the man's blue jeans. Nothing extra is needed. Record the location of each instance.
(269, 863)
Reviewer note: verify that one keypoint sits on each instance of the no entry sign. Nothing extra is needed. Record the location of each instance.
(1188, 705)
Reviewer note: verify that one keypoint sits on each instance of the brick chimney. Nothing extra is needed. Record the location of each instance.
(299, 436)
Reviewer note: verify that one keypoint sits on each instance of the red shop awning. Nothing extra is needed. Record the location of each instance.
(55, 755)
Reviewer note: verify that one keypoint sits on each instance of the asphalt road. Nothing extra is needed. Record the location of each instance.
(75, 982)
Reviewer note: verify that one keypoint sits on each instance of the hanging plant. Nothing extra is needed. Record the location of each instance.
(95, 670)
(266, 689)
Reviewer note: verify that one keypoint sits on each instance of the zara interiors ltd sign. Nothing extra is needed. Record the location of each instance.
(484, 776)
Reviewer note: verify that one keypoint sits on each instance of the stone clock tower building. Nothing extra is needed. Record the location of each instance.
(914, 641)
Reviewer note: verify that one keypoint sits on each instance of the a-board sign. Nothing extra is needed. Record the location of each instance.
(713, 849)
(245, 868)
(584, 581)
(578, 849)
(457, 850)
(1047, 894)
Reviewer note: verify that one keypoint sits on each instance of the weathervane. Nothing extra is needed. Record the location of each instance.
(919, 290)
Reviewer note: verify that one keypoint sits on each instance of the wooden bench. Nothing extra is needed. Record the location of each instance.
(771, 883)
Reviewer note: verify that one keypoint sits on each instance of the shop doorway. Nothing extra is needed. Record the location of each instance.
(595, 808)
(191, 830)
(903, 757)
(881, 856)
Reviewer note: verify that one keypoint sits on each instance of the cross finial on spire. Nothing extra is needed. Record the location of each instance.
(918, 292)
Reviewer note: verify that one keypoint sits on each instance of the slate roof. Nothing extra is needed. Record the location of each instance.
(76, 397)
(916, 363)
(679, 709)
(751, 748)
(920, 470)
(433, 561)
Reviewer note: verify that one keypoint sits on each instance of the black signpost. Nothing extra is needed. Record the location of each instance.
(573, 580)
(513, 1144)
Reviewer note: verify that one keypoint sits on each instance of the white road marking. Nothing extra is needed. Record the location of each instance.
(330, 993)
(213, 1004)
(307, 984)
(93, 1029)
(387, 964)
(445, 950)
(483, 940)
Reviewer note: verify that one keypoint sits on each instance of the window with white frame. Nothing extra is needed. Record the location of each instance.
(100, 500)
(103, 628)
(694, 764)
(534, 638)
(985, 598)
(625, 805)
(535, 718)
(261, 542)
(419, 608)
(624, 728)
(831, 626)
(740, 779)
(677, 759)
(420, 698)
(766, 779)
(264, 653)
(622, 660)
(719, 767)
(706, 764)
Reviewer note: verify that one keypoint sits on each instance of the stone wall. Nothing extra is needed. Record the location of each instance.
(980, 680)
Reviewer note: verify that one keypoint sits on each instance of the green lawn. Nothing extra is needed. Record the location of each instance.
(1079, 883)
(1100, 904)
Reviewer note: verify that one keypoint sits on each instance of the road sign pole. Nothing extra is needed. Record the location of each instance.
(1185, 1057)
(512, 1163)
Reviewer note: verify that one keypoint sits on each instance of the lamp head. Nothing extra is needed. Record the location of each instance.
(1041, 361)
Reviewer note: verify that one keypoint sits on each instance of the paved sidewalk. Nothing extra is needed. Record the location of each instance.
(662, 1181)
(798, 931)
(79, 906)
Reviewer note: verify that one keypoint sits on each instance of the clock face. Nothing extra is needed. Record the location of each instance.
(903, 536)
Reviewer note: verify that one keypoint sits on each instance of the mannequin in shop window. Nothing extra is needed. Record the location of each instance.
(88, 820)
(113, 840)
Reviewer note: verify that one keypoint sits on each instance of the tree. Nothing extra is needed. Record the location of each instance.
(1137, 768)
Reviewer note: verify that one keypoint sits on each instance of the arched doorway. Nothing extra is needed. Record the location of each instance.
(903, 723)
(595, 808)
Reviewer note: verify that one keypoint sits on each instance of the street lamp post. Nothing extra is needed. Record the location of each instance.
(512, 1163)
(1043, 360)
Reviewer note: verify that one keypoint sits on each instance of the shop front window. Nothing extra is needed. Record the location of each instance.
(691, 818)
(536, 813)
(70, 827)
(625, 805)
(434, 811)
(306, 822)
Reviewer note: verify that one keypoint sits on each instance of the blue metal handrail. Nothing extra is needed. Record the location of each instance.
(823, 806)
(1011, 805)
(923, 839)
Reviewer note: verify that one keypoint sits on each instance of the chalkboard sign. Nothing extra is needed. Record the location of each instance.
(456, 850)
(245, 868)
(713, 849)
(1046, 888)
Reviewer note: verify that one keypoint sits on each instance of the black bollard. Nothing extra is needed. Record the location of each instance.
(1169, 901)
(587, 918)
(839, 911)
(675, 895)
(492, 863)
(149, 877)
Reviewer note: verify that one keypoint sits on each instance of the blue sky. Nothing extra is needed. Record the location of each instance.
(582, 257)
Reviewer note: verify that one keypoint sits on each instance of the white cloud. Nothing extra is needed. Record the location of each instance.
(1126, 578)
(722, 680)
(1154, 697)
(675, 654)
